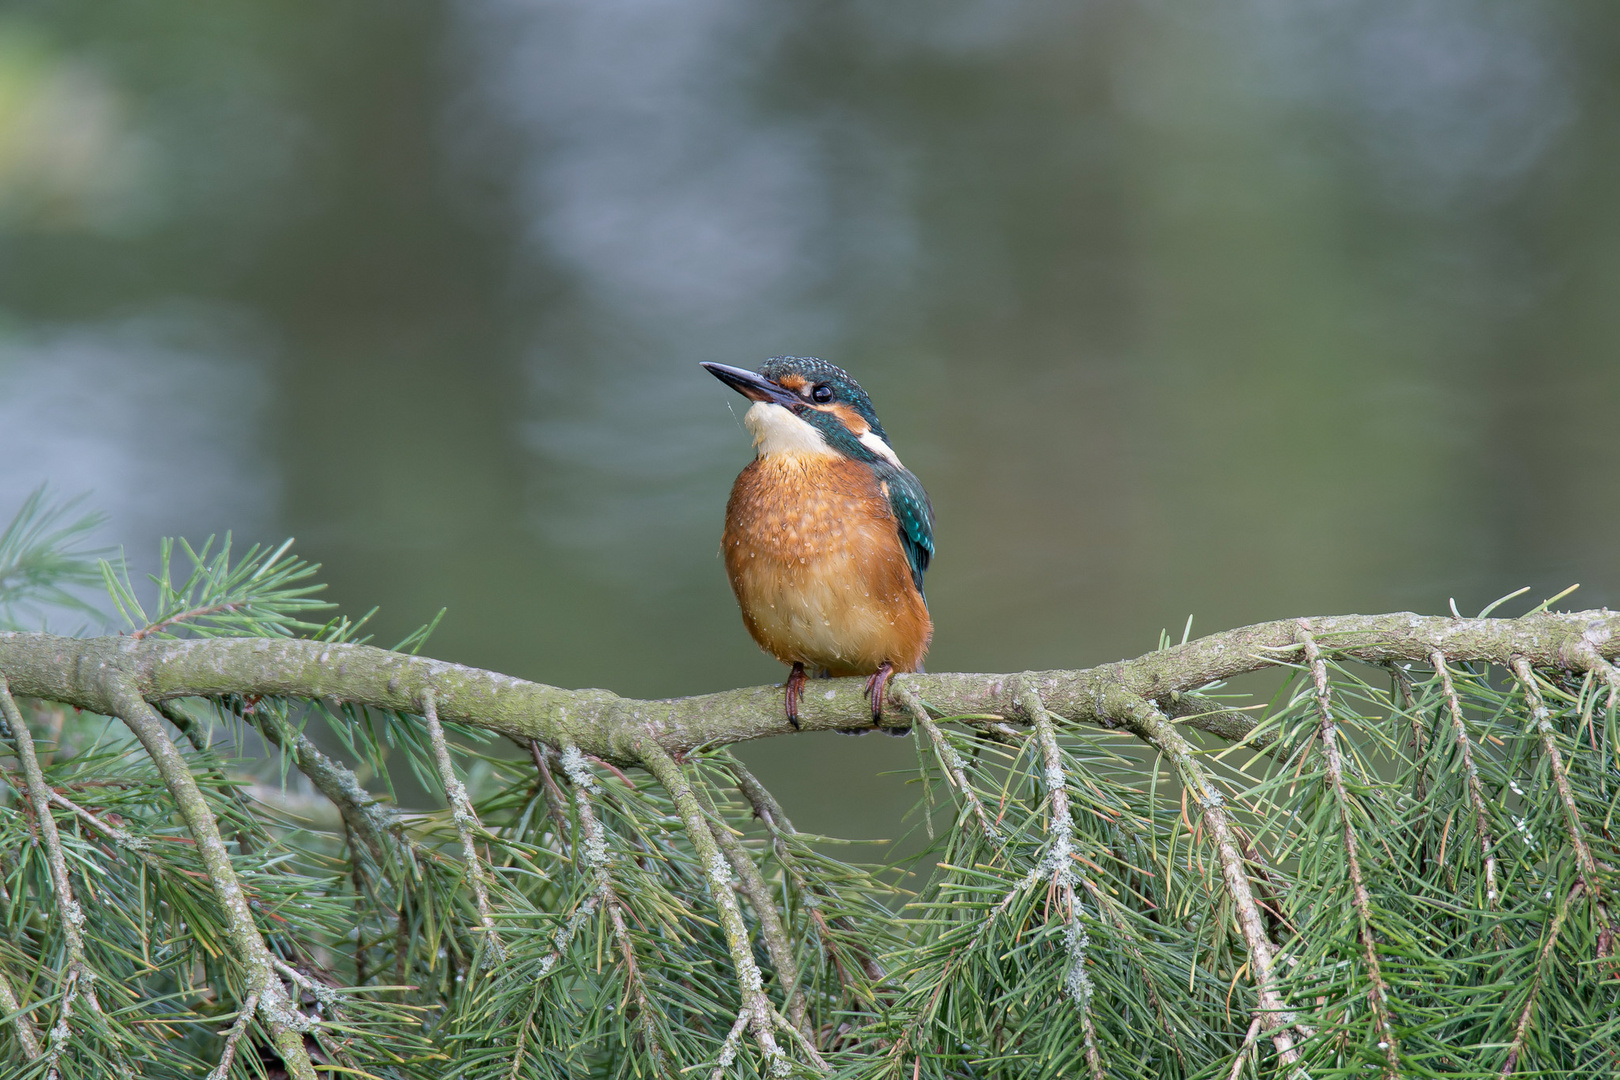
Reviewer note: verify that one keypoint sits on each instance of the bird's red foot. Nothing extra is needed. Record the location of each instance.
(795, 691)
(876, 683)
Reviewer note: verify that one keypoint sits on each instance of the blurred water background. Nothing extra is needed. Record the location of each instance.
(1242, 311)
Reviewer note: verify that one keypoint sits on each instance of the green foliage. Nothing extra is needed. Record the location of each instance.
(1074, 918)
(261, 595)
(43, 561)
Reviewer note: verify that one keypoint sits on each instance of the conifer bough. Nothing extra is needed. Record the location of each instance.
(1402, 869)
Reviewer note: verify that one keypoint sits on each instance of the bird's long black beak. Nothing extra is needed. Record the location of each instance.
(752, 386)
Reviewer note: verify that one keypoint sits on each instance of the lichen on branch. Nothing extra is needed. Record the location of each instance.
(608, 726)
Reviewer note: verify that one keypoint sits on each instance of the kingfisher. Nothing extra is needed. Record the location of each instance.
(827, 535)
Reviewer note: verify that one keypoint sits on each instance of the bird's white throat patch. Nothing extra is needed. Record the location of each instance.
(777, 431)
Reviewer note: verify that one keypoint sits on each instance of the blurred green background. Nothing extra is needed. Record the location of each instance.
(1246, 310)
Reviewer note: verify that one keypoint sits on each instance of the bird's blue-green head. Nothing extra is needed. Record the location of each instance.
(804, 405)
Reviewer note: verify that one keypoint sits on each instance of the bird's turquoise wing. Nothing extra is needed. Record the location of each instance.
(915, 517)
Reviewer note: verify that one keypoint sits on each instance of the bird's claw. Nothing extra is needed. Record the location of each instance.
(876, 684)
(795, 691)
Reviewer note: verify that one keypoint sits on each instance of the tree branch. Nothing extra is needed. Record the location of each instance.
(770, 920)
(466, 819)
(1476, 792)
(1276, 1018)
(1572, 814)
(286, 1024)
(755, 1011)
(80, 976)
(1154, 697)
(1060, 866)
(1329, 732)
(608, 726)
(27, 1034)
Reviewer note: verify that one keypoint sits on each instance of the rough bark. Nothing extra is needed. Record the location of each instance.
(79, 671)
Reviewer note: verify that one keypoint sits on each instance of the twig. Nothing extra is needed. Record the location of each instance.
(555, 803)
(1420, 738)
(466, 819)
(374, 822)
(770, 921)
(122, 837)
(27, 1034)
(1572, 815)
(184, 616)
(1060, 867)
(80, 976)
(1329, 732)
(1476, 792)
(728, 1048)
(1149, 723)
(286, 1024)
(1107, 904)
(756, 1008)
(955, 768)
(243, 1016)
(171, 711)
(1523, 1026)
(759, 796)
(599, 865)
(323, 994)
(781, 829)
(1590, 658)
(1542, 719)
(377, 825)
(1244, 1050)
(958, 957)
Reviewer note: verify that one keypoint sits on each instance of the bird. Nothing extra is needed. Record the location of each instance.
(827, 534)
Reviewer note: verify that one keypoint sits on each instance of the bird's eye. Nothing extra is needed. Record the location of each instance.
(821, 395)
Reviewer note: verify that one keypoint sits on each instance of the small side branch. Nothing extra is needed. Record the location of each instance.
(777, 824)
(1329, 732)
(373, 822)
(1542, 719)
(1146, 721)
(27, 1034)
(1476, 790)
(1245, 1049)
(286, 1024)
(542, 756)
(770, 921)
(466, 819)
(599, 863)
(1059, 865)
(955, 768)
(244, 1016)
(184, 616)
(756, 1012)
(1522, 1028)
(80, 976)
(121, 837)
(1588, 657)
(1420, 738)
(1109, 906)
(760, 798)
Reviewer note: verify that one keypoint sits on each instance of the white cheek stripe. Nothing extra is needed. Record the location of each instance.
(873, 442)
(777, 431)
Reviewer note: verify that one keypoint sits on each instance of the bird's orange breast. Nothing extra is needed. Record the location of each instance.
(813, 552)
